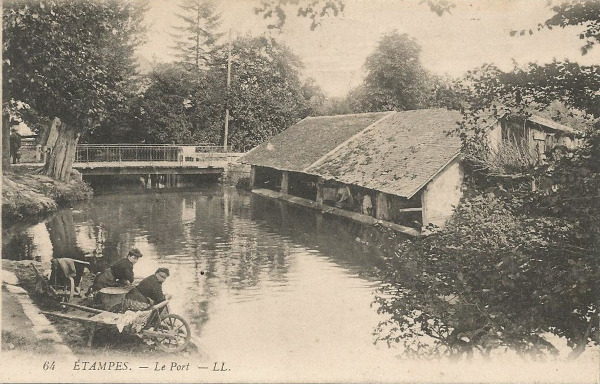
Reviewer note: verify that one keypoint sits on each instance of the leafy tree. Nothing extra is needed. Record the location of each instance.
(266, 94)
(395, 78)
(514, 264)
(164, 111)
(496, 278)
(313, 96)
(68, 60)
(196, 39)
(334, 106)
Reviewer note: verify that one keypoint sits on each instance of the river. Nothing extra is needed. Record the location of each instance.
(275, 291)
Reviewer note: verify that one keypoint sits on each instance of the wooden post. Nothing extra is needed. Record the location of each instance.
(382, 208)
(320, 183)
(285, 182)
(252, 176)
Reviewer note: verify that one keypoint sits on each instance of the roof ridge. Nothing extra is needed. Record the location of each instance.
(439, 145)
(344, 143)
(346, 115)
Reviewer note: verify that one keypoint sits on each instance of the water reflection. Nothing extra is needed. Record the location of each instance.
(263, 284)
(223, 247)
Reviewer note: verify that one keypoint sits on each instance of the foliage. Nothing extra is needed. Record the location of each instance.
(515, 264)
(163, 109)
(495, 278)
(395, 79)
(68, 59)
(334, 106)
(561, 91)
(177, 104)
(315, 10)
(567, 13)
(266, 94)
(198, 36)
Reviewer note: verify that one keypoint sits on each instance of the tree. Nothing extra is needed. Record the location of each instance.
(266, 94)
(68, 60)
(496, 277)
(166, 113)
(198, 36)
(395, 78)
(514, 264)
(313, 96)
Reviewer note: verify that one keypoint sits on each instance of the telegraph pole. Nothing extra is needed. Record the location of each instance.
(228, 86)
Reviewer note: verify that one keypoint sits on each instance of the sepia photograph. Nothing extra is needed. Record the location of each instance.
(300, 191)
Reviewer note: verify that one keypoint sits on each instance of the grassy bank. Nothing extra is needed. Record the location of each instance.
(29, 196)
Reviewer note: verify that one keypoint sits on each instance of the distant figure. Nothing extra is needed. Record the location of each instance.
(15, 145)
(344, 198)
(148, 292)
(367, 205)
(118, 274)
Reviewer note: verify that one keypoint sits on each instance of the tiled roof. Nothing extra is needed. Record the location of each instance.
(551, 124)
(302, 144)
(393, 152)
(398, 155)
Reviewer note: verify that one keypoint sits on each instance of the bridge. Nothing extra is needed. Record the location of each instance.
(135, 159)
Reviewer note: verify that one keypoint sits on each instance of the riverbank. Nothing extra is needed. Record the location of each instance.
(59, 336)
(27, 196)
(24, 329)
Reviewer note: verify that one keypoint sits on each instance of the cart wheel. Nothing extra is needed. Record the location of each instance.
(177, 326)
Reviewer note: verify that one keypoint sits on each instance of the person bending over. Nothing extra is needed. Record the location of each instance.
(148, 292)
(119, 273)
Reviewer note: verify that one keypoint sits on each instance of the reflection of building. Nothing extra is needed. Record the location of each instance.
(403, 165)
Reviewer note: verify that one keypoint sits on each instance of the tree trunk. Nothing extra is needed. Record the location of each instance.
(51, 134)
(578, 350)
(59, 162)
(5, 143)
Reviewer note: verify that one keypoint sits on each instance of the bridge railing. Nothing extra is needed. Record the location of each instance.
(88, 153)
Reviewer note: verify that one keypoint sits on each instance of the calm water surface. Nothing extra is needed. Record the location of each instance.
(263, 284)
(276, 292)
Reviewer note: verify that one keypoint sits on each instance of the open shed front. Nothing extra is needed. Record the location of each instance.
(433, 204)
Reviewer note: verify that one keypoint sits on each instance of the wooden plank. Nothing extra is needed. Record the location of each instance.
(402, 210)
(355, 216)
(83, 308)
(69, 317)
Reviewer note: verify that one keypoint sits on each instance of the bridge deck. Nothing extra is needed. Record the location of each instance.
(141, 167)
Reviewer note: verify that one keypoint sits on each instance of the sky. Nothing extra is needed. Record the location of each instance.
(476, 32)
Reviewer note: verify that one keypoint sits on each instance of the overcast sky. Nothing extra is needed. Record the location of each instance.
(476, 32)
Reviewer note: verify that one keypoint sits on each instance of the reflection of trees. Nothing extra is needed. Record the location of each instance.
(493, 280)
(61, 230)
(229, 249)
(17, 245)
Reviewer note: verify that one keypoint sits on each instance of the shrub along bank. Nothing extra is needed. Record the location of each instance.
(29, 196)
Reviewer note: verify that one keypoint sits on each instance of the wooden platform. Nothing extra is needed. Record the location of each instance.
(355, 216)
